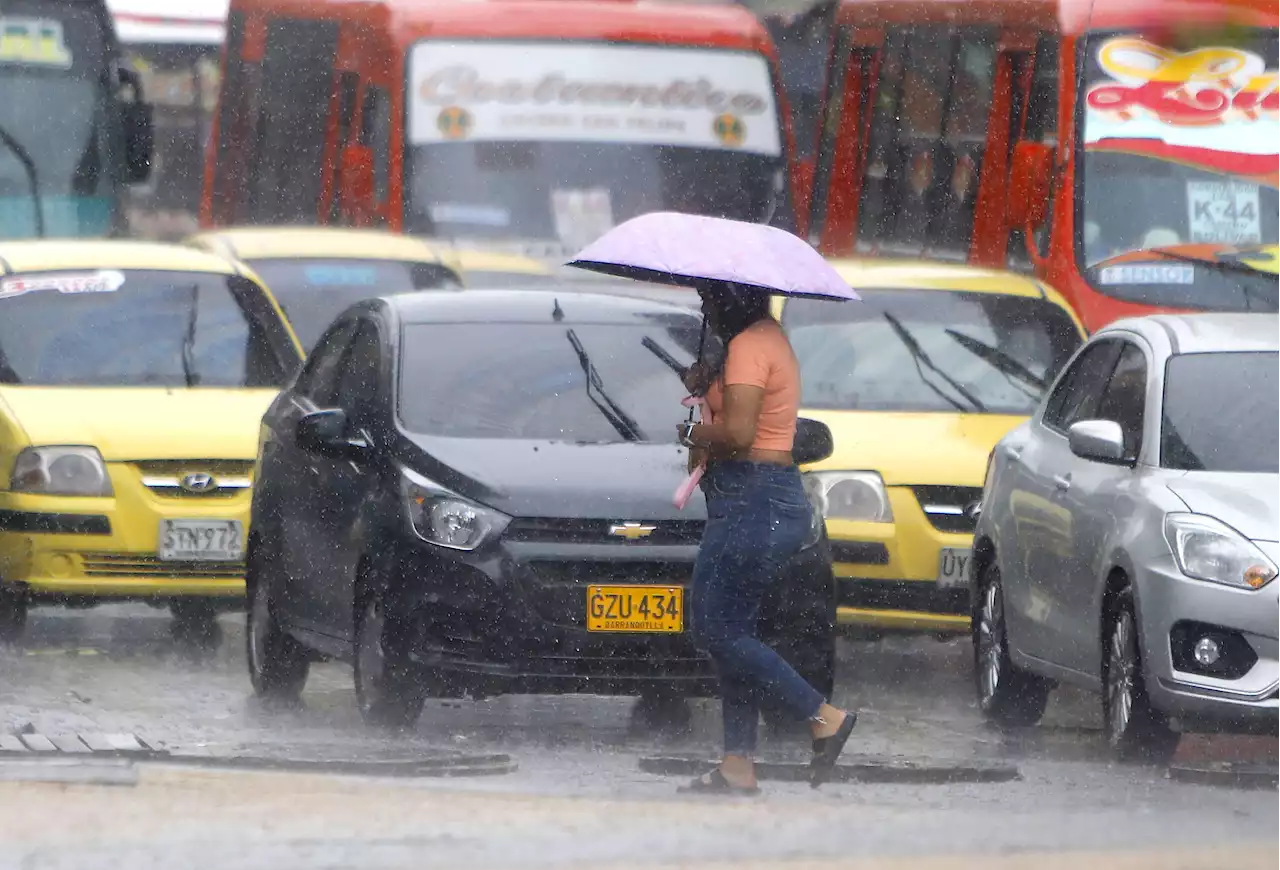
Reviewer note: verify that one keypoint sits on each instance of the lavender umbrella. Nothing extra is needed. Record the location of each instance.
(688, 250)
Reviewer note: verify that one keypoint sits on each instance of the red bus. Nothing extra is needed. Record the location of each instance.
(1125, 151)
(536, 123)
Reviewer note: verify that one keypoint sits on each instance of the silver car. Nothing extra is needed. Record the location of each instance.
(1128, 537)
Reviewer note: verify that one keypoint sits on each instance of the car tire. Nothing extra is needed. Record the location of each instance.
(1007, 695)
(278, 663)
(13, 613)
(1135, 730)
(390, 690)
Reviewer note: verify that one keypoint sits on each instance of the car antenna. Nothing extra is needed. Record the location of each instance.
(557, 313)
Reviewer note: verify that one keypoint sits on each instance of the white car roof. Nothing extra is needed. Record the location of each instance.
(1206, 333)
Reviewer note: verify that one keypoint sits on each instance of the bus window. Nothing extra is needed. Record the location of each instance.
(297, 72)
(927, 140)
(348, 85)
(375, 134)
(838, 79)
(1041, 125)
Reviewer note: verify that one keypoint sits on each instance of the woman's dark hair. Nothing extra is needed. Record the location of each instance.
(737, 308)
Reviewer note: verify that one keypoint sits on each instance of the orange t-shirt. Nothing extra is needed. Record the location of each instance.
(761, 356)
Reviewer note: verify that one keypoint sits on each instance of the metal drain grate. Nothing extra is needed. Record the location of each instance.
(31, 744)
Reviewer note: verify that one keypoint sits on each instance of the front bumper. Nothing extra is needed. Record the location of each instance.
(888, 574)
(1174, 611)
(85, 549)
(513, 620)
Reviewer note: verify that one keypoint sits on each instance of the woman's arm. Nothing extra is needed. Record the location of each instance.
(735, 428)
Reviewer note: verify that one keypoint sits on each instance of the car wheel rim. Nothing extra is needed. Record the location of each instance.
(260, 622)
(990, 642)
(372, 657)
(1120, 676)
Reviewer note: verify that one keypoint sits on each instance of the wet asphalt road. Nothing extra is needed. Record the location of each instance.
(579, 797)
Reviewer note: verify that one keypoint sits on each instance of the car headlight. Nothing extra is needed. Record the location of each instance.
(445, 518)
(60, 471)
(1208, 549)
(850, 495)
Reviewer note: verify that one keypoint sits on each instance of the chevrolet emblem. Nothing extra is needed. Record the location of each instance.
(631, 531)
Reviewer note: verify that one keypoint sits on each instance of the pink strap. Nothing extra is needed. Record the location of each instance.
(685, 491)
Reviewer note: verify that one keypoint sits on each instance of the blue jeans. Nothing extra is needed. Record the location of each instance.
(757, 519)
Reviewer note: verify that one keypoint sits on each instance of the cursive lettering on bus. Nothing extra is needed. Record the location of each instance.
(1204, 87)
(461, 85)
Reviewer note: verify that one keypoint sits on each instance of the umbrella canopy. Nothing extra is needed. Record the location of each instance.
(688, 250)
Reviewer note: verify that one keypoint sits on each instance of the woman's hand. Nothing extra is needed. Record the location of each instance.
(697, 456)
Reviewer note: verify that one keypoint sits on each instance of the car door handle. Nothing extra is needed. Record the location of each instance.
(1062, 481)
(1013, 452)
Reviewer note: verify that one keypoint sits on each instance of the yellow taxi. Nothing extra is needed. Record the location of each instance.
(499, 269)
(315, 273)
(918, 382)
(133, 380)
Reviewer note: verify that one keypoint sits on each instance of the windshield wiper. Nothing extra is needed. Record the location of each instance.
(919, 356)
(189, 340)
(661, 353)
(617, 417)
(999, 359)
(1231, 267)
(33, 176)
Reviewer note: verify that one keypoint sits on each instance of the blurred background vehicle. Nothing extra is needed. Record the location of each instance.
(918, 382)
(657, 106)
(1129, 536)
(463, 503)
(133, 378)
(316, 273)
(482, 267)
(75, 130)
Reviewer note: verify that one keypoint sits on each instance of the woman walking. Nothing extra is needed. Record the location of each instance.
(757, 518)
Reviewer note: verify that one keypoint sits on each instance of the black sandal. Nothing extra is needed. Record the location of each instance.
(826, 751)
(715, 783)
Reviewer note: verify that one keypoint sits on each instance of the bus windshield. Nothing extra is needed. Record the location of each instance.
(1177, 198)
(54, 113)
(562, 142)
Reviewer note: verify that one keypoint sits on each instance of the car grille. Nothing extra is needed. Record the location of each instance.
(133, 565)
(164, 477)
(945, 506)
(572, 531)
(591, 572)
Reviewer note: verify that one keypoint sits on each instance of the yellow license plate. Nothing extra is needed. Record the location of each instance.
(651, 609)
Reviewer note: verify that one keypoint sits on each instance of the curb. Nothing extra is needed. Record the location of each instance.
(30, 751)
(858, 769)
(1232, 774)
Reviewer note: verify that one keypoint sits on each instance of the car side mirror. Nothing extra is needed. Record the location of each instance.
(1029, 182)
(138, 125)
(813, 442)
(327, 434)
(1098, 440)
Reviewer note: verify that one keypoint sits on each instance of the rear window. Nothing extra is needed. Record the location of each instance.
(314, 292)
(1220, 412)
(525, 380)
(928, 350)
(128, 328)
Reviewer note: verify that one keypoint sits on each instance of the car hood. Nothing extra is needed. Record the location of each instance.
(561, 480)
(129, 423)
(1246, 502)
(937, 449)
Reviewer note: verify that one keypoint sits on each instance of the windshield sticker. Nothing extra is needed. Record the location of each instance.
(501, 91)
(33, 42)
(474, 215)
(341, 276)
(1224, 212)
(1218, 98)
(581, 216)
(1149, 273)
(107, 281)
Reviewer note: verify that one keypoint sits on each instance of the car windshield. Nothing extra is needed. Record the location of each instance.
(313, 292)
(526, 381)
(52, 69)
(1220, 412)
(562, 142)
(928, 350)
(1178, 200)
(131, 328)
